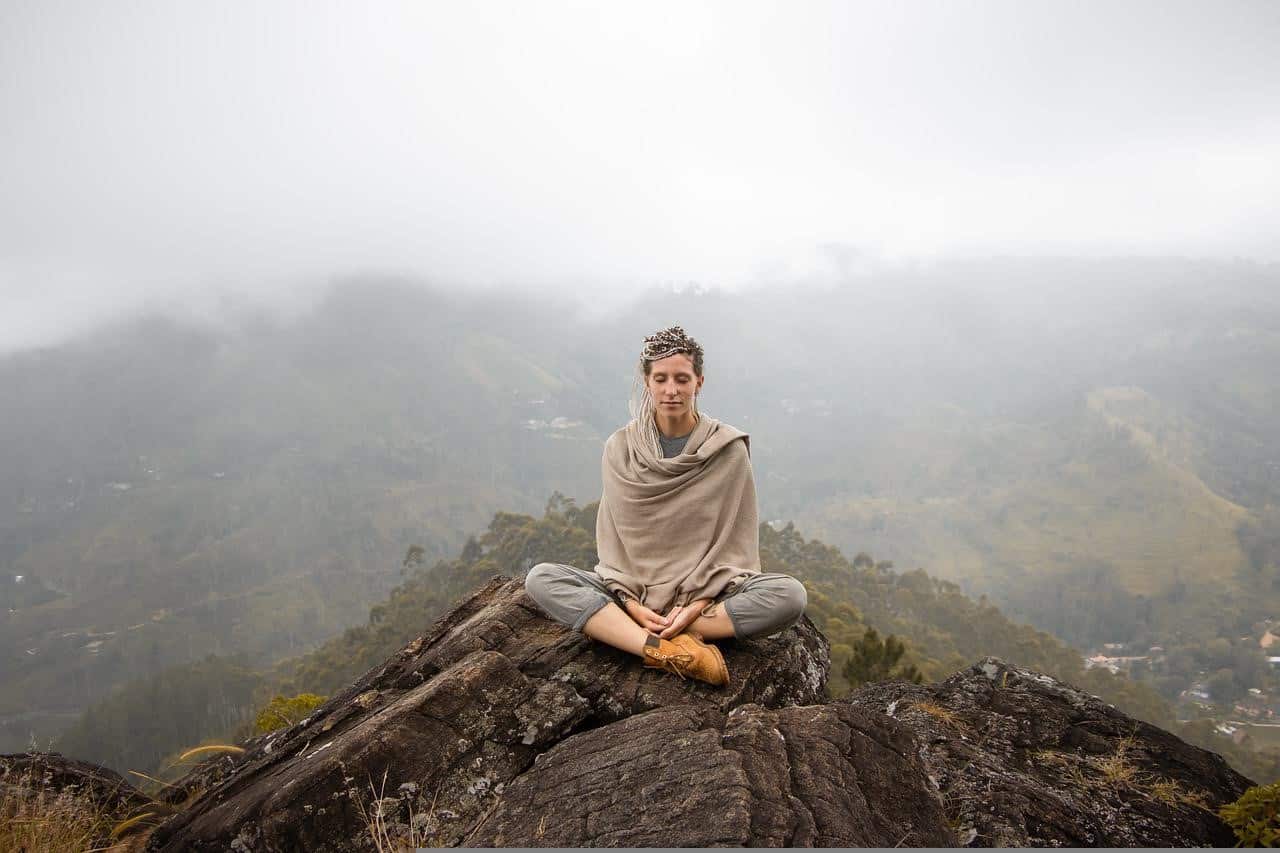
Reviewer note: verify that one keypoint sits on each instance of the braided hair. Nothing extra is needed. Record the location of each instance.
(657, 346)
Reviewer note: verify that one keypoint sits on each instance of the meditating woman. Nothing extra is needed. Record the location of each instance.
(677, 532)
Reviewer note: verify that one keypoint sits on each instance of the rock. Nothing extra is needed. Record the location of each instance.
(1024, 760)
(811, 776)
(499, 727)
(441, 728)
(52, 771)
(56, 788)
(206, 774)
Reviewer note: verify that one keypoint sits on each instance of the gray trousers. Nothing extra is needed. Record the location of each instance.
(758, 605)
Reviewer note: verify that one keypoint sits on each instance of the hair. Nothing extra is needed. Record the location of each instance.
(659, 345)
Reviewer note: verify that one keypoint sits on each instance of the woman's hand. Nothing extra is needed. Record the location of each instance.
(682, 617)
(646, 618)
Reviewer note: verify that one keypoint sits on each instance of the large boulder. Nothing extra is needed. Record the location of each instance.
(1023, 760)
(810, 776)
(445, 725)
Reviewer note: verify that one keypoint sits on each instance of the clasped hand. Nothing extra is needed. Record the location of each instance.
(667, 626)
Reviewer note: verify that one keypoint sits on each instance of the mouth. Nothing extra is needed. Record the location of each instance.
(670, 403)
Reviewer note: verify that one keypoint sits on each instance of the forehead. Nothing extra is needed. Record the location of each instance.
(672, 364)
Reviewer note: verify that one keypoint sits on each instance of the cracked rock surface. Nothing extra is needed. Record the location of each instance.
(453, 718)
(1024, 760)
(810, 776)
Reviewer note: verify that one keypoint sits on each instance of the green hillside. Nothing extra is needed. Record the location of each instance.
(1091, 445)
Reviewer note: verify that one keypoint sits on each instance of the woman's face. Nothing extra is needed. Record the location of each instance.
(673, 385)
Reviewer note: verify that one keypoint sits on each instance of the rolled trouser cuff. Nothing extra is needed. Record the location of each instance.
(567, 595)
(591, 610)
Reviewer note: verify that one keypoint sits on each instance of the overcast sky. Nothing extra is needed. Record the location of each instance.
(173, 151)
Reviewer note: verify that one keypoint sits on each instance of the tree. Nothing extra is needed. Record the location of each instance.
(874, 659)
(413, 558)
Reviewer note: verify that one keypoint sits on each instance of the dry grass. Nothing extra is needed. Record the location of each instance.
(203, 751)
(390, 835)
(1171, 792)
(939, 712)
(1118, 771)
(35, 818)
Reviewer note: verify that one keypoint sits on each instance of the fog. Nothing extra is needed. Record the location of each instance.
(194, 157)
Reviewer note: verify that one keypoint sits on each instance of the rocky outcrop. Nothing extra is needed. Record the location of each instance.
(450, 721)
(499, 727)
(1023, 760)
(110, 794)
(809, 776)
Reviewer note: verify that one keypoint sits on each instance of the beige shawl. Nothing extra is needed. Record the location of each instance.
(672, 530)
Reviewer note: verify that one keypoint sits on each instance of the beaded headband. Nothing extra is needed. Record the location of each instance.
(669, 342)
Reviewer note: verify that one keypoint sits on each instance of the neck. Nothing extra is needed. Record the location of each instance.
(672, 425)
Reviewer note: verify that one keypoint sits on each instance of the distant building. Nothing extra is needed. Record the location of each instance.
(1113, 664)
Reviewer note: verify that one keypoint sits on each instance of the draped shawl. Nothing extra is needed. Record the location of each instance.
(672, 530)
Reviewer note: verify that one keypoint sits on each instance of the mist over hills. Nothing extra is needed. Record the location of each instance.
(1092, 444)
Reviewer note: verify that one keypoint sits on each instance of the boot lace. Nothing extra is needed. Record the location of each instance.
(671, 662)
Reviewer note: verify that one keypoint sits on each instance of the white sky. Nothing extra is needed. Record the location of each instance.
(173, 151)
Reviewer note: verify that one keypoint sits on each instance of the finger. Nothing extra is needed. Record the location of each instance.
(677, 626)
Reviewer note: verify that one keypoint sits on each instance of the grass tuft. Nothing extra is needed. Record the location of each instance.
(213, 747)
(1171, 792)
(939, 712)
(389, 835)
(1119, 771)
(36, 818)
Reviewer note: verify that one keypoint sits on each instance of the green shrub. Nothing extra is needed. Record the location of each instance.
(1253, 816)
(284, 712)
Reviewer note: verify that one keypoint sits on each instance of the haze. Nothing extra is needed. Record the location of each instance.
(191, 156)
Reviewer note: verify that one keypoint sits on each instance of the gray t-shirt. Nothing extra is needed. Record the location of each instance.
(673, 446)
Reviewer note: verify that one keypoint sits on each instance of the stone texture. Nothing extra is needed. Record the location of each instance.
(1023, 760)
(53, 771)
(811, 776)
(205, 775)
(453, 718)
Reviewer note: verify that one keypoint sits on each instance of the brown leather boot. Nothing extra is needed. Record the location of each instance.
(688, 657)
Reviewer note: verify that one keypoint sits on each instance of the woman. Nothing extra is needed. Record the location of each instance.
(677, 532)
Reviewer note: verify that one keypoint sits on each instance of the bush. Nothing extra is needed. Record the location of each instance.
(1253, 817)
(284, 712)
